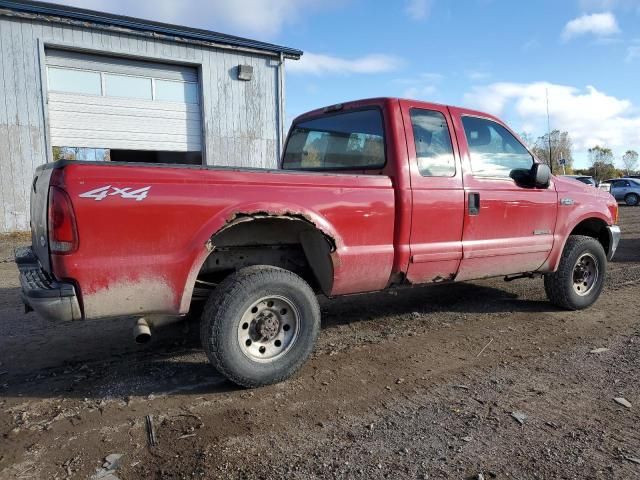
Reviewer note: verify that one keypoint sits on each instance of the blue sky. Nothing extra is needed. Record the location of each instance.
(501, 56)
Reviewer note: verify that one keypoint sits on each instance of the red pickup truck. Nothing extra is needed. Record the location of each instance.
(372, 194)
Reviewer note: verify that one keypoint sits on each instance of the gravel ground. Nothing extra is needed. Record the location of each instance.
(472, 380)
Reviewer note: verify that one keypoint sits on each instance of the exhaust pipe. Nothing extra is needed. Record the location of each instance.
(142, 331)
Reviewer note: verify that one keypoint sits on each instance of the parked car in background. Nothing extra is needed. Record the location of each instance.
(625, 189)
(584, 179)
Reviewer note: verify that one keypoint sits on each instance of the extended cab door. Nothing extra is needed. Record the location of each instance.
(438, 197)
(508, 228)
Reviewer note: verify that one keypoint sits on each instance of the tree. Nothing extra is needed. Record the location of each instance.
(603, 171)
(528, 140)
(630, 161)
(601, 159)
(560, 147)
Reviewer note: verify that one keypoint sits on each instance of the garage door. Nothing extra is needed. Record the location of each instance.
(104, 105)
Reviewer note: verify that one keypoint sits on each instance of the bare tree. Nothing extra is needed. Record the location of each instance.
(630, 161)
(528, 140)
(601, 159)
(550, 152)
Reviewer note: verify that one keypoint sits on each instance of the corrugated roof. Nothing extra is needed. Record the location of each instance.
(102, 18)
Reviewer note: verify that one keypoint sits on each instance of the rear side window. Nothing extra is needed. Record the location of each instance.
(621, 183)
(346, 141)
(434, 152)
(494, 151)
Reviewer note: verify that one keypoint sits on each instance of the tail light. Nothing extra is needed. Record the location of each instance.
(63, 234)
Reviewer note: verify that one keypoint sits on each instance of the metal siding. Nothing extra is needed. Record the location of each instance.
(24, 120)
(239, 119)
(6, 176)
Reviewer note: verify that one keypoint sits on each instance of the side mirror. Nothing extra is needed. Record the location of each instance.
(541, 174)
(538, 176)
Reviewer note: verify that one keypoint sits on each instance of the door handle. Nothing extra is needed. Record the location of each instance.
(474, 203)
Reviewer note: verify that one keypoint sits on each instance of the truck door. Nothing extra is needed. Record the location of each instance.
(508, 228)
(438, 196)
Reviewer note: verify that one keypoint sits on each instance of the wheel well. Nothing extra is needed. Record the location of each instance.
(595, 228)
(286, 241)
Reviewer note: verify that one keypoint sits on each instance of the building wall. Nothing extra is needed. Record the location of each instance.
(241, 120)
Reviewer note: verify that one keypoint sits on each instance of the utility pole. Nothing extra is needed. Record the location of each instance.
(549, 131)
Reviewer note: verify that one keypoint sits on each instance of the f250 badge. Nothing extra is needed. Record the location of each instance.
(126, 192)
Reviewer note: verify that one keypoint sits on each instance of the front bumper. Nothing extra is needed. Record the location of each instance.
(42, 293)
(614, 239)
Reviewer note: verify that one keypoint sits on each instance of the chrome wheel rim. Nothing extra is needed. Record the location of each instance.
(268, 329)
(585, 274)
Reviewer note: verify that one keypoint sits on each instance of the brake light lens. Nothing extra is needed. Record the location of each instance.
(63, 234)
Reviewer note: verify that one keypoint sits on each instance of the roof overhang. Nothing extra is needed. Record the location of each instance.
(148, 26)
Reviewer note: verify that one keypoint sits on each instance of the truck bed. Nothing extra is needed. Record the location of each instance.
(144, 230)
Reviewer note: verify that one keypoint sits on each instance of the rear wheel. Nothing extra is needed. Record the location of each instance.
(632, 199)
(260, 325)
(580, 276)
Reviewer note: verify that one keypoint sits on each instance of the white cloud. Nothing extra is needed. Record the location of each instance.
(626, 5)
(477, 75)
(590, 116)
(421, 87)
(250, 17)
(319, 64)
(599, 24)
(418, 9)
(529, 45)
(423, 92)
(633, 51)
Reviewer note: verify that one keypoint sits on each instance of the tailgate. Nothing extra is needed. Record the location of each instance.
(39, 208)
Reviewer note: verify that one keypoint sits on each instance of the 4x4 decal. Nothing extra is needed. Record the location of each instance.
(125, 192)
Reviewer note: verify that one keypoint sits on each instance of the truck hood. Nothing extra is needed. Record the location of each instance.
(568, 185)
(587, 194)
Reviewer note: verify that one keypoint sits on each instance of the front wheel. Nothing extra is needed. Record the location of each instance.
(260, 325)
(580, 276)
(632, 199)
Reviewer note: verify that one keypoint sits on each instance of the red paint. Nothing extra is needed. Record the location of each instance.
(385, 225)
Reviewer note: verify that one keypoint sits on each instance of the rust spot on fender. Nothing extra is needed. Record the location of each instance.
(241, 217)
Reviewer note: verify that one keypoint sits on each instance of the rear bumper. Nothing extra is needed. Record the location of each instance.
(42, 293)
(614, 239)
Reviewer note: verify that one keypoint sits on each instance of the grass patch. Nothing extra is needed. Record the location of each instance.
(16, 236)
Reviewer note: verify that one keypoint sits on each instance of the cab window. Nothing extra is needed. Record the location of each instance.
(494, 151)
(434, 152)
(345, 141)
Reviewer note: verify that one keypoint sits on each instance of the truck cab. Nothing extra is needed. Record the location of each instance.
(468, 203)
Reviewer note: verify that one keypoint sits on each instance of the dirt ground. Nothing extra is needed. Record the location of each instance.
(418, 383)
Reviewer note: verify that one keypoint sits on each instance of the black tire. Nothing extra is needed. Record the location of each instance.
(559, 285)
(232, 299)
(631, 199)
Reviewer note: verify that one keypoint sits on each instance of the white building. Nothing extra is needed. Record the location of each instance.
(87, 85)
